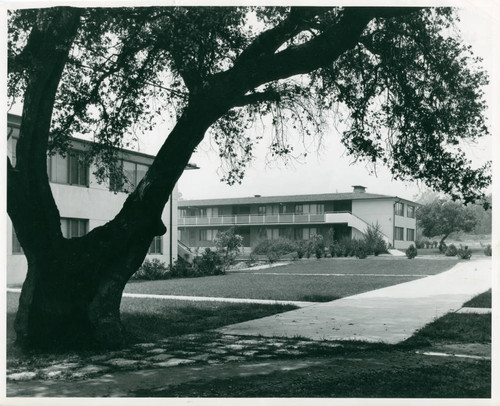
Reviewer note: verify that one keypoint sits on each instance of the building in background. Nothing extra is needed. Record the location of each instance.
(84, 203)
(298, 217)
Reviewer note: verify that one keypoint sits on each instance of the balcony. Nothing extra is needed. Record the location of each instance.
(268, 219)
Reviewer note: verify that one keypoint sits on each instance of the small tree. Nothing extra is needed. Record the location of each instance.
(374, 240)
(228, 245)
(442, 217)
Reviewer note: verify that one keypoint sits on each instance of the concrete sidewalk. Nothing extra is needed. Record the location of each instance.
(389, 315)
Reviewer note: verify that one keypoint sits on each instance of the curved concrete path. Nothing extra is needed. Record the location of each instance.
(389, 315)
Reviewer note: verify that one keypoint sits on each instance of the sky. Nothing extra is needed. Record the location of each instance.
(328, 169)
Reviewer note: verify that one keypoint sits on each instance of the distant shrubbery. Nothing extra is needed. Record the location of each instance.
(275, 249)
(451, 251)
(487, 250)
(320, 246)
(209, 263)
(411, 252)
(464, 252)
(152, 269)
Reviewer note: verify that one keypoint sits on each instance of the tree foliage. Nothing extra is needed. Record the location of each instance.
(410, 90)
(442, 217)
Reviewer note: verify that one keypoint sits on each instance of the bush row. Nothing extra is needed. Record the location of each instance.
(209, 263)
(450, 251)
(319, 246)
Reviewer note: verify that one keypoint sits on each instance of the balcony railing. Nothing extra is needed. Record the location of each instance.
(255, 219)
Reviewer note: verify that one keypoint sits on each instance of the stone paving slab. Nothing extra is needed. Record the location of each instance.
(389, 315)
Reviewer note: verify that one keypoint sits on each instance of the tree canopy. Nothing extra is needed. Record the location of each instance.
(443, 217)
(411, 89)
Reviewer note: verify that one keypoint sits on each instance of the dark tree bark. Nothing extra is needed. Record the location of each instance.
(72, 293)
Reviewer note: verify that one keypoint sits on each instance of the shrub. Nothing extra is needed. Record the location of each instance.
(374, 240)
(301, 249)
(434, 244)
(209, 263)
(151, 269)
(228, 245)
(317, 245)
(274, 249)
(487, 250)
(442, 247)
(181, 269)
(361, 251)
(464, 252)
(419, 244)
(451, 251)
(411, 252)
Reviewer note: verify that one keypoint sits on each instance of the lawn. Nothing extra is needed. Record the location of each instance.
(149, 320)
(483, 300)
(301, 284)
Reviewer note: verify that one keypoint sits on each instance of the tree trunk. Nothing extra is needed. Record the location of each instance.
(72, 294)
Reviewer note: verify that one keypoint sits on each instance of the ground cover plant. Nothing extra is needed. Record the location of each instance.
(300, 280)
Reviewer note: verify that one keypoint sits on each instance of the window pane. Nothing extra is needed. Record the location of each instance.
(59, 169)
(141, 171)
(129, 174)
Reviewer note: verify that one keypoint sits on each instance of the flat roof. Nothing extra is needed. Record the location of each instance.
(290, 199)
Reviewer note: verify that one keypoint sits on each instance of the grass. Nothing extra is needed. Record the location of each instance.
(482, 300)
(275, 283)
(149, 320)
(357, 370)
(455, 328)
(381, 376)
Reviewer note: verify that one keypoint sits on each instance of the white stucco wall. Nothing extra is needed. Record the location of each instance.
(382, 211)
(376, 211)
(97, 204)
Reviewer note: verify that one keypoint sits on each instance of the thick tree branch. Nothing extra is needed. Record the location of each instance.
(318, 52)
(299, 19)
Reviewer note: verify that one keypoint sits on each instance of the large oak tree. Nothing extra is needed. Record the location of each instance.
(411, 88)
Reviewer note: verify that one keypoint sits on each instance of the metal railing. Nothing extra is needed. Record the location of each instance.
(255, 219)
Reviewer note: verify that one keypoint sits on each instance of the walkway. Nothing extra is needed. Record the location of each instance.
(206, 299)
(388, 315)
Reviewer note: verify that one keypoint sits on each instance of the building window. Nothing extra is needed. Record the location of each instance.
(309, 232)
(262, 210)
(410, 234)
(410, 212)
(203, 235)
(156, 246)
(299, 209)
(72, 228)
(202, 212)
(298, 233)
(399, 209)
(262, 232)
(399, 233)
(16, 245)
(132, 175)
(71, 169)
(285, 233)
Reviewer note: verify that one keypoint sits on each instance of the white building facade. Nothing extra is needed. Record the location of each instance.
(85, 204)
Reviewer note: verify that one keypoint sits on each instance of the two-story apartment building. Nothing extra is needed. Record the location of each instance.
(84, 203)
(298, 217)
